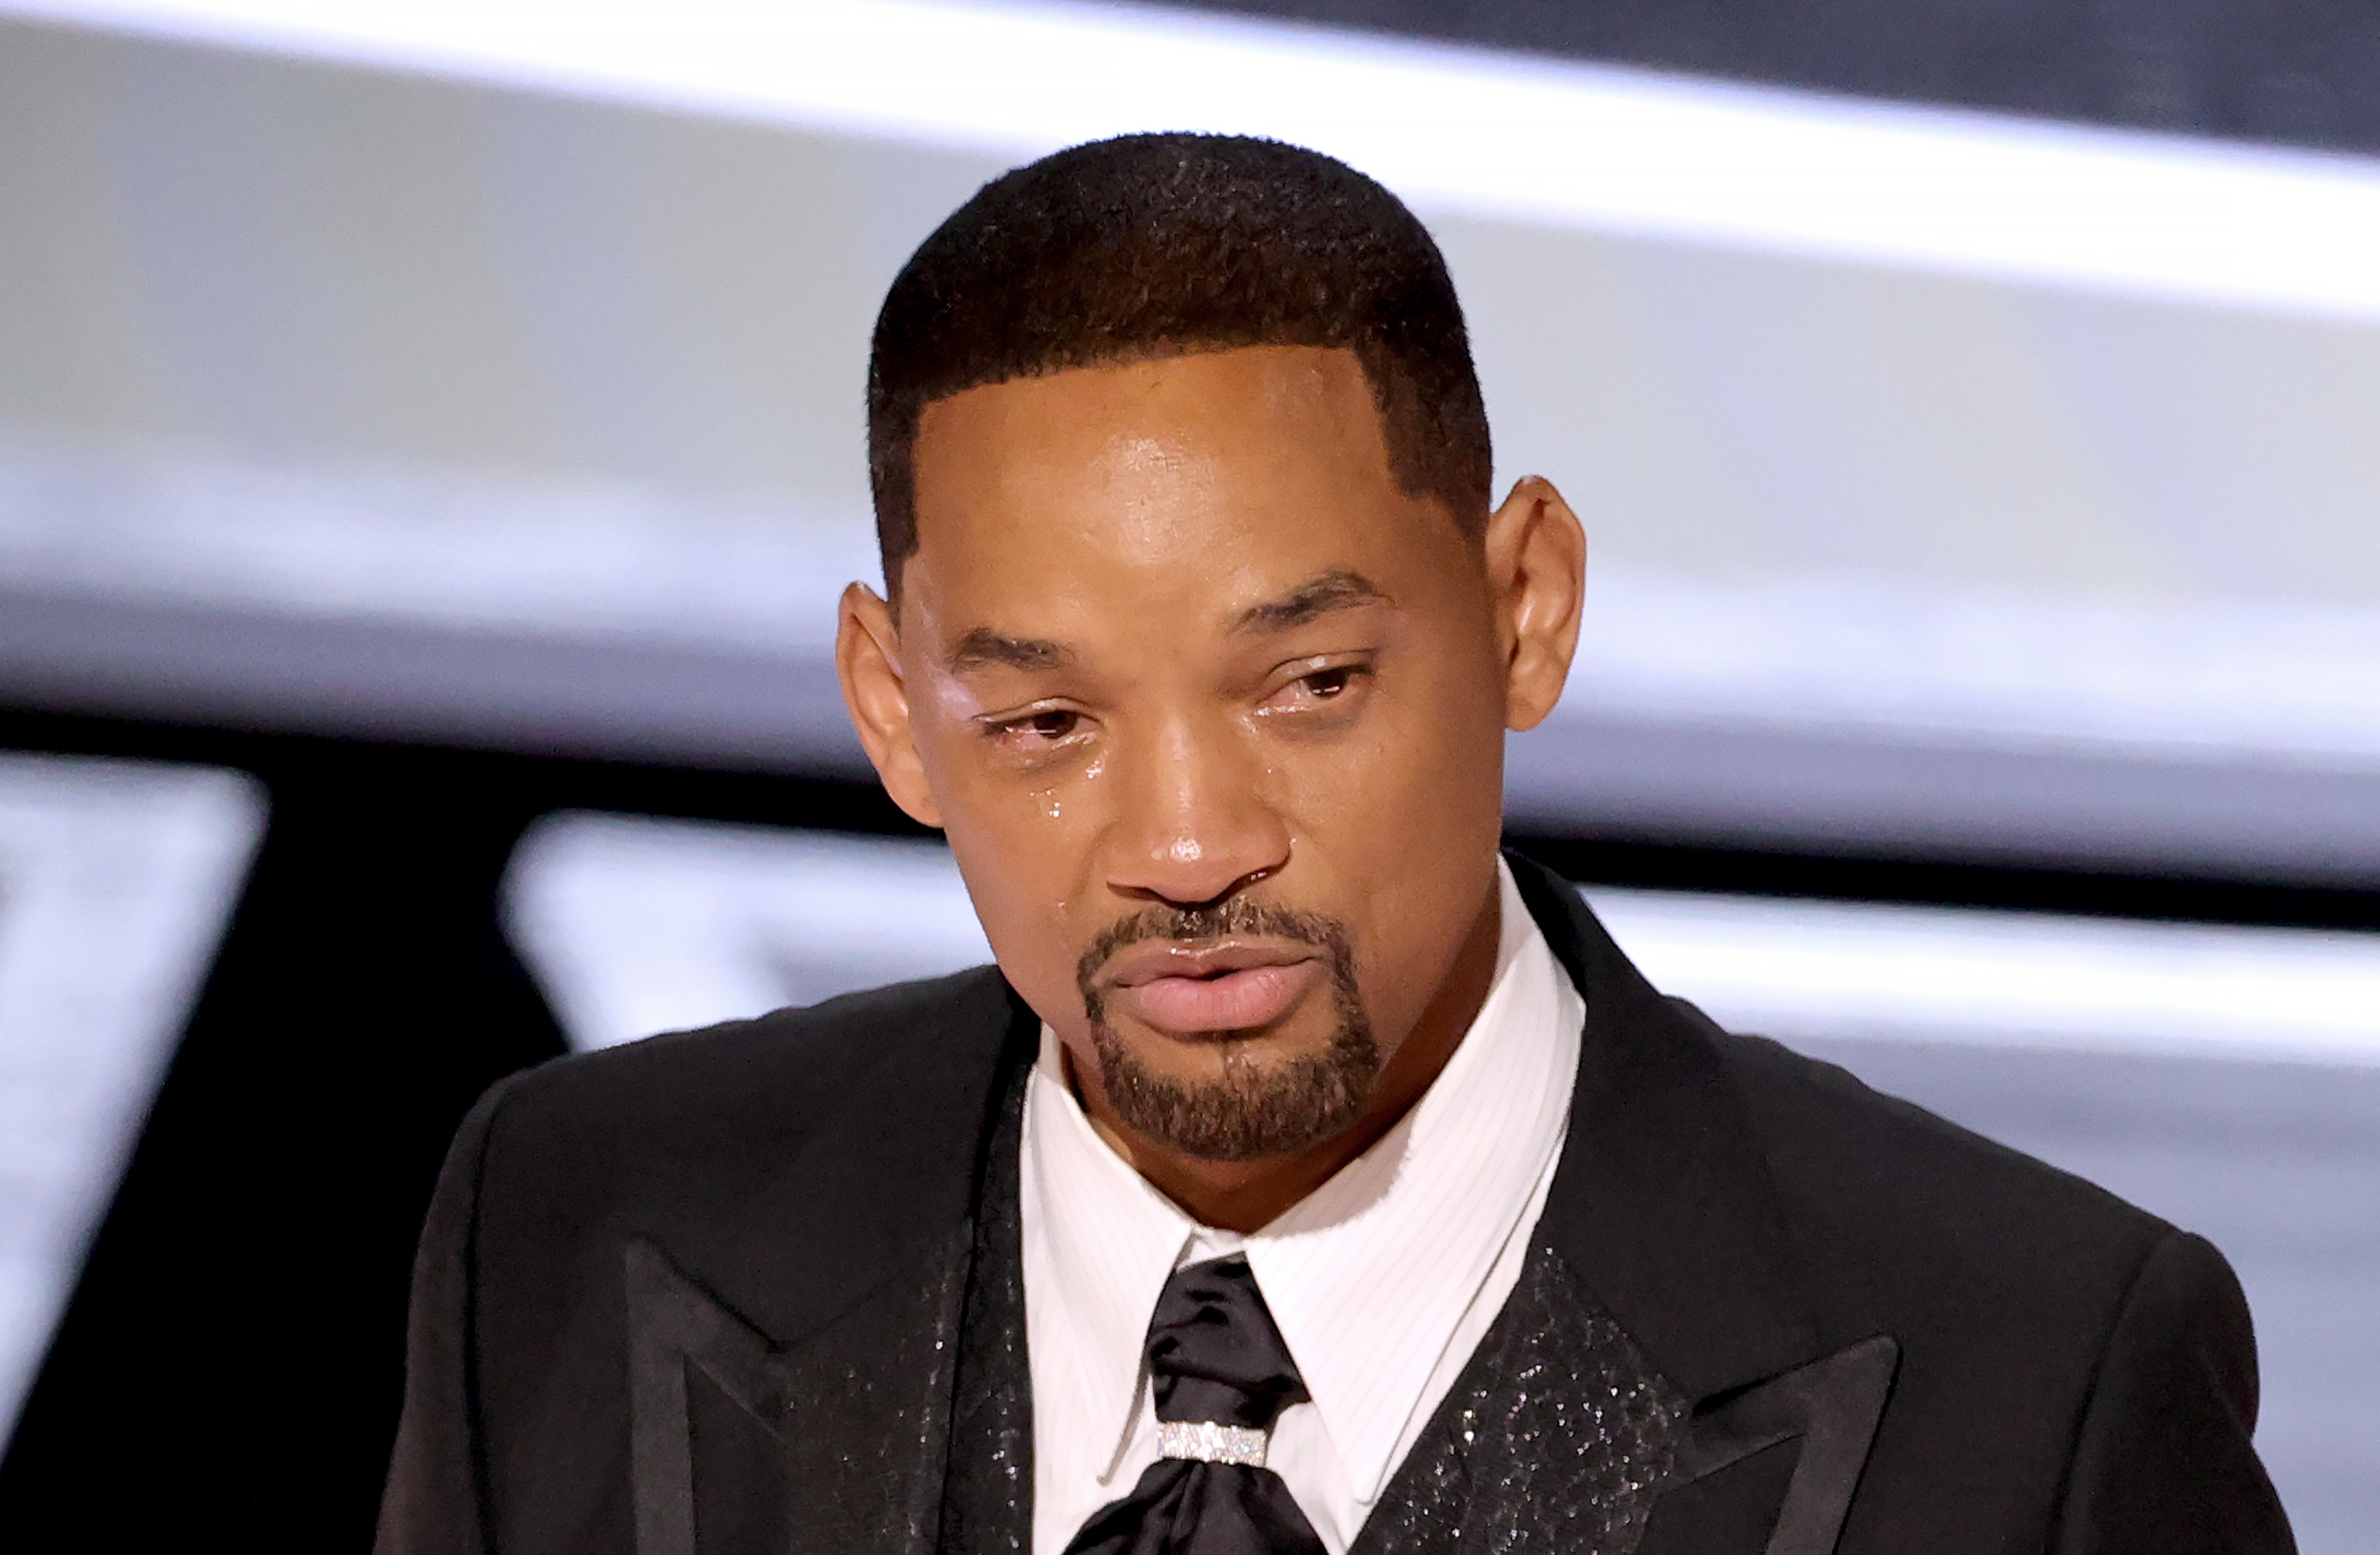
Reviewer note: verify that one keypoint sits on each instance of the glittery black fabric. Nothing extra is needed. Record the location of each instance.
(875, 1487)
(841, 1438)
(1557, 1437)
(988, 1497)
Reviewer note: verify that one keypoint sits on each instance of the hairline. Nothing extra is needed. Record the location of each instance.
(1473, 529)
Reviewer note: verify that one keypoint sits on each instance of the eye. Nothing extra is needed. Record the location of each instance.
(1047, 726)
(1320, 684)
(1323, 684)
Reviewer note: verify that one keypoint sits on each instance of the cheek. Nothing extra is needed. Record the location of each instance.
(1024, 873)
(1405, 823)
(1422, 773)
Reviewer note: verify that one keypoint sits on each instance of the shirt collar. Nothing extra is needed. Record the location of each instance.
(1368, 1276)
(1110, 1238)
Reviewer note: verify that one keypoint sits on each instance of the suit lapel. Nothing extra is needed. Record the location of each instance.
(842, 1440)
(747, 1420)
(1829, 1408)
(677, 1332)
(1664, 1204)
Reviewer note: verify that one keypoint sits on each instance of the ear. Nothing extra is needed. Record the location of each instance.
(867, 661)
(1537, 570)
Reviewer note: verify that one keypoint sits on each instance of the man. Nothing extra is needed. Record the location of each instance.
(1305, 1177)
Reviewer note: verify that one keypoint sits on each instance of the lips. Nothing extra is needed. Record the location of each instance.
(1233, 986)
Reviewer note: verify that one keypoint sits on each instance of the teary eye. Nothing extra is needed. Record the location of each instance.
(1327, 684)
(1048, 726)
(1338, 686)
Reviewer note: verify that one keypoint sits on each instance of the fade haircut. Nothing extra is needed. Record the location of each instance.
(1150, 246)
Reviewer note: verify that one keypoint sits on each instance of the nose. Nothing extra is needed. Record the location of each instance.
(1194, 826)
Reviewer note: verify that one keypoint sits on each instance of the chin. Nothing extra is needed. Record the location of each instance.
(1246, 1096)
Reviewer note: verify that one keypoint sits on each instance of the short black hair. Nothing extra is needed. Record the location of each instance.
(1149, 245)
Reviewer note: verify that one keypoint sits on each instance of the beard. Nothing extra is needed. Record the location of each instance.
(1253, 1109)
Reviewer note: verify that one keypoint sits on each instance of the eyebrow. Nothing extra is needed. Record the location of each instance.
(984, 649)
(1336, 589)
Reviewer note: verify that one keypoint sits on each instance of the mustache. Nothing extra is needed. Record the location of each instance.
(1191, 925)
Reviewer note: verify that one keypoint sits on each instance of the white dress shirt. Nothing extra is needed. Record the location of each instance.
(1382, 1280)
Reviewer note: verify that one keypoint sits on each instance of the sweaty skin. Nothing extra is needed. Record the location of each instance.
(1174, 638)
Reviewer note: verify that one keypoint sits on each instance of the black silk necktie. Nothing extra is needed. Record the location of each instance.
(1221, 1376)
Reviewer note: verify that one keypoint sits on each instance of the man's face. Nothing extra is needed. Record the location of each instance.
(1212, 714)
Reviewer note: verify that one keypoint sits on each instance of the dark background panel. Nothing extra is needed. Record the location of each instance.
(232, 1356)
(2298, 72)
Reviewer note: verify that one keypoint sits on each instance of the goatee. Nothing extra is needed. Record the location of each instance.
(1255, 1109)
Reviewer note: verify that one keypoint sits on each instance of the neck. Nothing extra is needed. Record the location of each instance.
(1246, 1196)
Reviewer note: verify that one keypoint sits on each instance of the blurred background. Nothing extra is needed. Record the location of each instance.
(431, 446)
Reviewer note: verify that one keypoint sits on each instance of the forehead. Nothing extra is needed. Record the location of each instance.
(1183, 480)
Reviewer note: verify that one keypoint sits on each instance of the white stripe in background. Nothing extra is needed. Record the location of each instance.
(115, 880)
(2291, 680)
(1833, 969)
(634, 925)
(1453, 129)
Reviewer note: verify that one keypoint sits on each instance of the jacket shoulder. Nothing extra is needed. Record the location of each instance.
(695, 1128)
(2006, 1283)
(784, 1165)
(775, 1074)
(1921, 1202)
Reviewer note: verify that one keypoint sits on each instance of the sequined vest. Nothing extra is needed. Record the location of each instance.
(1555, 1436)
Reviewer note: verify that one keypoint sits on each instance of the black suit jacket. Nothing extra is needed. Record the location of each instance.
(749, 1247)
